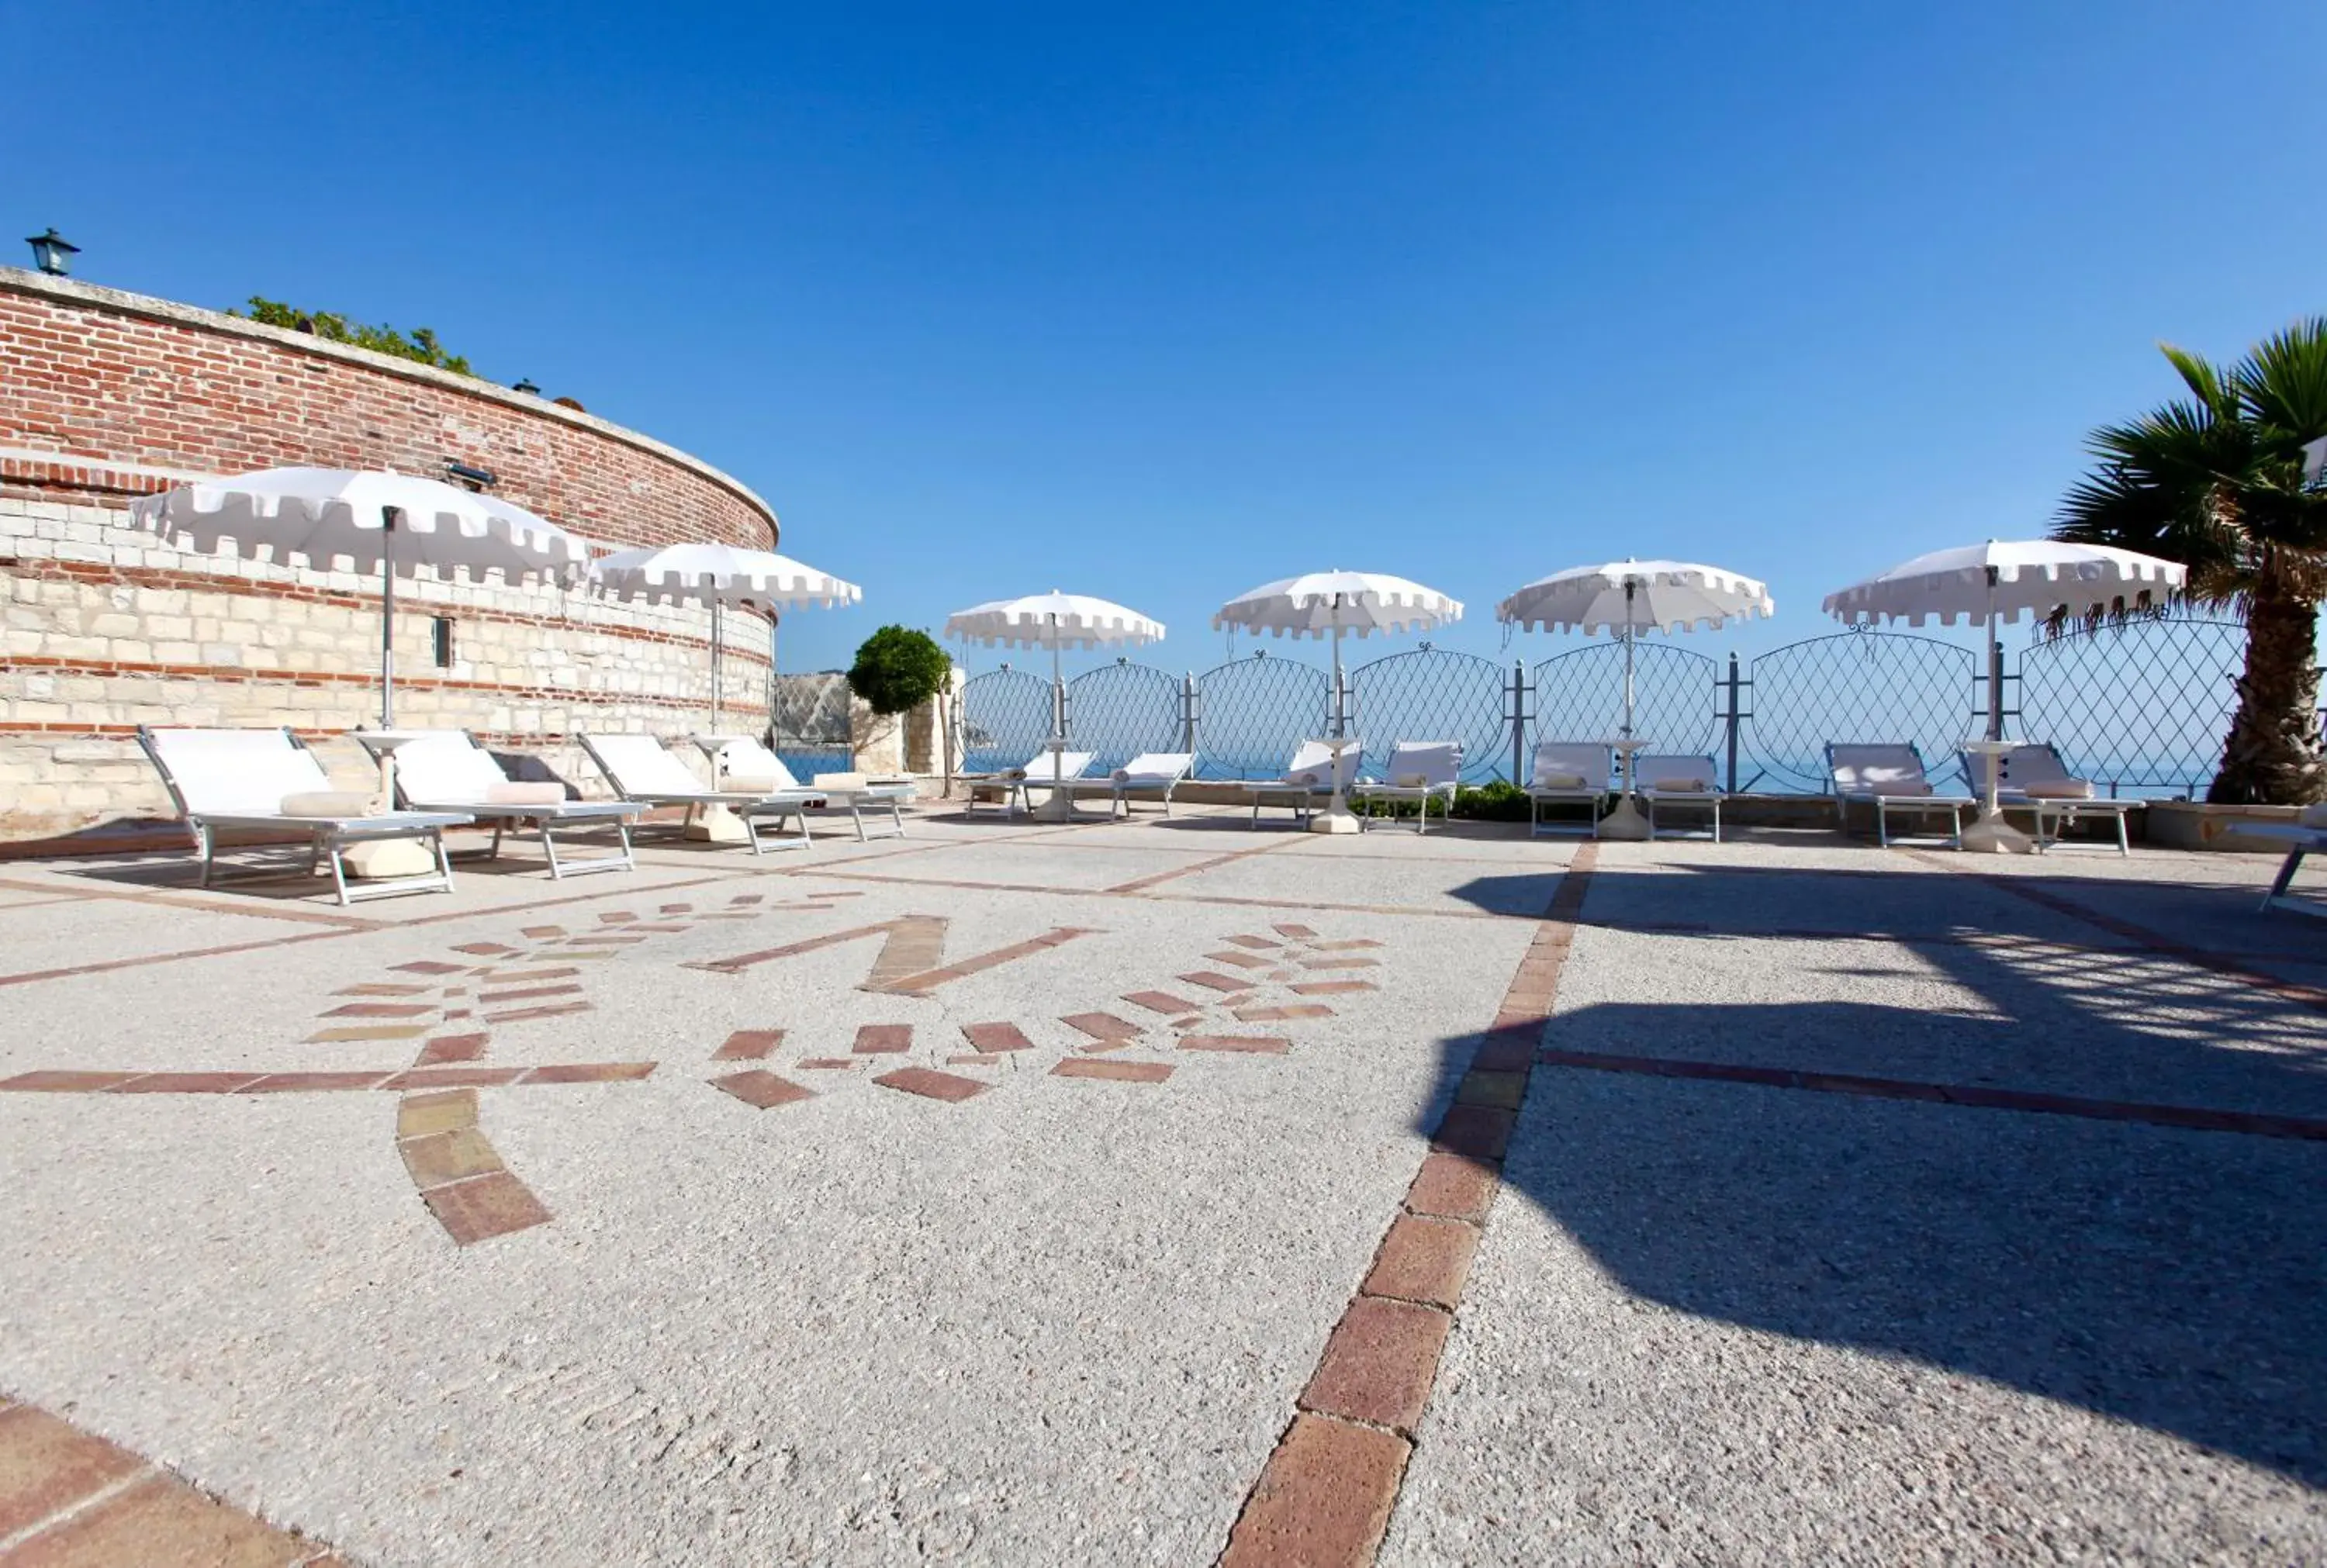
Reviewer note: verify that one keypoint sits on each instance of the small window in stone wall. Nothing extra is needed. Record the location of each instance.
(441, 640)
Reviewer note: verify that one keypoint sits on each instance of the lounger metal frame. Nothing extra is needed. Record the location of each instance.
(572, 813)
(1955, 806)
(2300, 841)
(327, 838)
(749, 808)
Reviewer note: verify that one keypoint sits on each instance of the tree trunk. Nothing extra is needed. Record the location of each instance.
(2273, 756)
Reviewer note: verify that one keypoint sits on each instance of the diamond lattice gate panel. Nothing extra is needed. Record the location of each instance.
(1872, 688)
(1434, 693)
(1579, 695)
(1251, 712)
(2142, 708)
(808, 722)
(1120, 710)
(1005, 719)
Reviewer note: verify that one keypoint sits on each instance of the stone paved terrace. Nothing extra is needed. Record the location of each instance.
(1168, 1193)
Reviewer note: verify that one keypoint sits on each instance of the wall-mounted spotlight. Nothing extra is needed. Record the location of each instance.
(461, 471)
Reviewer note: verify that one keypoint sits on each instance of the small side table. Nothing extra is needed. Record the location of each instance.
(1337, 817)
(1991, 835)
(1625, 822)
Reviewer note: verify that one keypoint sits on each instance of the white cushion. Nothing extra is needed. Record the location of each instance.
(2058, 790)
(1412, 781)
(236, 772)
(533, 792)
(1559, 780)
(1684, 786)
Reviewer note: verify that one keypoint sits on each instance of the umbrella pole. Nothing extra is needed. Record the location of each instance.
(1337, 817)
(387, 618)
(715, 666)
(1060, 805)
(1625, 822)
(1991, 833)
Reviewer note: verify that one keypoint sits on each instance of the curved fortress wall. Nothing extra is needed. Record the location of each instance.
(106, 396)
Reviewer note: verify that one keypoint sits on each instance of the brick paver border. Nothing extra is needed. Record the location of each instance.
(68, 1498)
(1325, 1497)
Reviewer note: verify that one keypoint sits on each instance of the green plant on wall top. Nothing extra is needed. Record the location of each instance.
(421, 346)
(898, 669)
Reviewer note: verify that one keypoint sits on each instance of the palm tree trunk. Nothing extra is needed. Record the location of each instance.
(2274, 755)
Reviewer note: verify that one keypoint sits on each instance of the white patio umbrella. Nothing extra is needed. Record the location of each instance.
(2002, 579)
(1054, 621)
(396, 523)
(1628, 598)
(1328, 604)
(722, 576)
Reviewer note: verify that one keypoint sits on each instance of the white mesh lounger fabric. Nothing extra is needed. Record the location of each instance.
(1153, 775)
(1035, 773)
(639, 767)
(447, 770)
(2034, 779)
(743, 764)
(1308, 780)
(1890, 777)
(1671, 778)
(241, 778)
(1568, 773)
(1421, 771)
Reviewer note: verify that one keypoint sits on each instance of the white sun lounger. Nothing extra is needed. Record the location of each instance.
(1308, 780)
(1421, 771)
(2033, 778)
(1568, 773)
(1034, 774)
(1890, 778)
(638, 768)
(266, 780)
(1671, 778)
(447, 770)
(2301, 838)
(1151, 775)
(741, 762)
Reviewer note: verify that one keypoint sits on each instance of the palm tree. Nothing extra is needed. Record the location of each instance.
(2217, 481)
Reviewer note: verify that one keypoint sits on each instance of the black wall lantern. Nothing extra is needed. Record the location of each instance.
(476, 476)
(52, 253)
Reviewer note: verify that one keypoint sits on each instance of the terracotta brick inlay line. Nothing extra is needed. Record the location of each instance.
(1104, 1026)
(1239, 960)
(1280, 1014)
(822, 1062)
(1140, 884)
(71, 1499)
(749, 1045)
(1261, 1044)
(1298, 933)
(2020, 887)
(548, 1010)
(449, 1048)
(186, 1083)
(930, 979)
(990, 1038)
(1132, 1072)
(1260, 942)
(928, 1082)
(525, 994)
(1330, 987)
(484, 1207)
(1326, 1496)
(1161, 1002)
(51, 1081)
(1213, 980)
(883, 1039)
(761, 1089)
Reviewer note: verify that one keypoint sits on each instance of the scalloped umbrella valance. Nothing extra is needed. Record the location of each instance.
(1054, 621)
(377, 519)
(2005, 579)
(723, 576)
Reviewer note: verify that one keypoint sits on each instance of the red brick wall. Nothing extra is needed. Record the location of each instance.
(93, 373)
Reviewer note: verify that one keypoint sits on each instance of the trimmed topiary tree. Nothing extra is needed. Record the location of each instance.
(898, 669)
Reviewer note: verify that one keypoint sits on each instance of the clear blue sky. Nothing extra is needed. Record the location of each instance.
(1158, 303)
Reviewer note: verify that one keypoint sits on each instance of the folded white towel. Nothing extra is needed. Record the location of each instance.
(1559, 780)
(1308, 778)
(1123, 775)
(1412, 781)
(1684, 786)
(2059, 789)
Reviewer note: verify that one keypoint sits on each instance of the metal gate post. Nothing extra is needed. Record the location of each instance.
(1188, 714)
(1732, 724)
(1520, 716)
(1994, 689)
